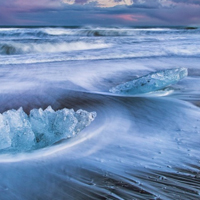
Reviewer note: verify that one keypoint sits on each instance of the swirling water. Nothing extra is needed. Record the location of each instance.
(139, 147)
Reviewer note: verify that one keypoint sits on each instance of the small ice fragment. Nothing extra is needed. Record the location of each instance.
(151, 82)
(84, 119)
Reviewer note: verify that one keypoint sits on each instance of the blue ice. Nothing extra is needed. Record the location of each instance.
(151, 82)
(22, 132)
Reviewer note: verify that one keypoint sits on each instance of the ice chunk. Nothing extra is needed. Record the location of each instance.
(65, 123)
(20, 132)
(50, 126)
(151, 82)
(42, 126)
(84, 119)
(5, 140)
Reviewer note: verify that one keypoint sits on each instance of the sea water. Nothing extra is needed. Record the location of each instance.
(143, 146)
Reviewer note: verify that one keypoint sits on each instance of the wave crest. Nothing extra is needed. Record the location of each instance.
(86, 31)
(13, 48)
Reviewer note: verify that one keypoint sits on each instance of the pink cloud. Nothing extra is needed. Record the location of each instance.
(123, 17)
(129, 17)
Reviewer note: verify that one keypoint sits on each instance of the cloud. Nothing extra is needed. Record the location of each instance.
(182, 14)
(100, 12)
(70, 2)
(81, 2)
(123, 18)
(28, 5)
(111, 3)
(197, 2)
(114, 3)
(10, 11)
(100, 3)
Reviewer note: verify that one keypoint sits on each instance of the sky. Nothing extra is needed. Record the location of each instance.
(100, 12)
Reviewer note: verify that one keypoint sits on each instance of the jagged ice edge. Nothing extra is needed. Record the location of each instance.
(20, 132)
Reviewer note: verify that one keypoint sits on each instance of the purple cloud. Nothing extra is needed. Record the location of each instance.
(101, 12)
(197, 2)
(81, 1)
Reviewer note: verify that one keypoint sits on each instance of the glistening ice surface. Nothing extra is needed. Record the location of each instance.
(20, 132)
(151, 82)
(139, 147)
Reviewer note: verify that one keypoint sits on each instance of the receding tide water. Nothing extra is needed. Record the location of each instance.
(138, 147)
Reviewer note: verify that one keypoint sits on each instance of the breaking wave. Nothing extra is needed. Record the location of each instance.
(13, 48)
(115, 31)
(22, 33)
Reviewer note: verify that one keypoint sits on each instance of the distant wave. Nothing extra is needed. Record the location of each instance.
(39, 45)
(21, 33)
(12, 48)
(42, 58)
(99, 31)
(87, 31)
(59, 31)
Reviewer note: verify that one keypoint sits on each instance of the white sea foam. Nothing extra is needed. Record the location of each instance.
(59, 31)
(8, 29)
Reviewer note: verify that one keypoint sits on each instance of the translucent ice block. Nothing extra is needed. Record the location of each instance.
(151, 82)
(20, 132)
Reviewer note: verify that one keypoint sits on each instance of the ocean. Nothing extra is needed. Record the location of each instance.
(141, 146)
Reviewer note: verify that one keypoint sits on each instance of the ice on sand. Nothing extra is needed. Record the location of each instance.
(151, 82)
(20, 132)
